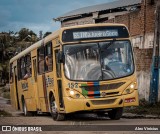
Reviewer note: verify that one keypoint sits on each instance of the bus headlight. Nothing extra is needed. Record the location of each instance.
(74, 94)
(71, 92)
(130, 88)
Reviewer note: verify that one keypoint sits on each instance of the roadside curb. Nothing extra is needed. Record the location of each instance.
(136, 116)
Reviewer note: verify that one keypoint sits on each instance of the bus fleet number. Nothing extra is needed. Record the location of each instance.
(73, 85)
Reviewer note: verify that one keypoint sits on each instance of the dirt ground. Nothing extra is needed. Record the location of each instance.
(17, 118)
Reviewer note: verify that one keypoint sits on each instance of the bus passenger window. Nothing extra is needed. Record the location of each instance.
(48, 57)
(28, 69)
(23, 67)
(41, 60)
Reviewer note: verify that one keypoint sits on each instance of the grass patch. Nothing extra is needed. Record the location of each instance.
(144, 108)
(4, 114)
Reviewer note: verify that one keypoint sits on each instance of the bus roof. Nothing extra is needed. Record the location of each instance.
(91, 25)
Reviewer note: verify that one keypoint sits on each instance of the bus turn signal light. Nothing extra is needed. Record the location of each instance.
(128, 100)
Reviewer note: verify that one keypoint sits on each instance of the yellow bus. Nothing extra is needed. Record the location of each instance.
(78, 68)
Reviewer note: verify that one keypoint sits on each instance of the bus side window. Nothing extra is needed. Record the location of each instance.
(11, 73)
(23, 67)
(48, 57)
(28, 66)
(41, 60)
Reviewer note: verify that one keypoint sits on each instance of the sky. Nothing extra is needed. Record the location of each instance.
(37, 15)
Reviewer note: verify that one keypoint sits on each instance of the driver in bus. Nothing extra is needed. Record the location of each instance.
(109, 56)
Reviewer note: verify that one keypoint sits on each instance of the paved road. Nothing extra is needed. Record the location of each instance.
(3, 101)
(75, 119)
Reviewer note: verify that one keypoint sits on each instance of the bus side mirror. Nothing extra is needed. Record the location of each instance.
(60, 57)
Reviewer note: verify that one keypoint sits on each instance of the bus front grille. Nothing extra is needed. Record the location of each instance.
(102, 87)
(102, 102)
(94, 89)
(111, 86)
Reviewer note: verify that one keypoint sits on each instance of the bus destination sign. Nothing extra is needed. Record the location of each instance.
(95, 34)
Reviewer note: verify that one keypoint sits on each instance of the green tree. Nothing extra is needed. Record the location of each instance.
(26, 35)
(9, 42)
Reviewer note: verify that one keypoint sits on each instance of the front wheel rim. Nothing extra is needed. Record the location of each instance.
(24, 109)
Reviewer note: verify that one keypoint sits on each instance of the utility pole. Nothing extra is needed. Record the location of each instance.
(40, 34)
(154, 81)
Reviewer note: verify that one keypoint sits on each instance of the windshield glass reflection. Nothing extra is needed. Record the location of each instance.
(98, 61)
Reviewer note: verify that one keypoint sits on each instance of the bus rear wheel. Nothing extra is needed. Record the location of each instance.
(115, 114)
(25, 111)
(54, 112)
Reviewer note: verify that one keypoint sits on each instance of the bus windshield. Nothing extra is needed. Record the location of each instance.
(98, 61)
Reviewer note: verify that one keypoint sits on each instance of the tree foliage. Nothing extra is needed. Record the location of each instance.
(25, 33)
(11, 43)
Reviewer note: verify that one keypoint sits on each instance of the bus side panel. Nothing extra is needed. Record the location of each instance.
(28, 96)
(12, 95)
(49, 86)
(31, 104)
(41, 90)
(31, 95)
(20, 93)
(34, 78)
(14, 87)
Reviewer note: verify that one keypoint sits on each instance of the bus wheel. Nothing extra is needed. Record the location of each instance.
(115, 114)
(25, 111)
(53, 109)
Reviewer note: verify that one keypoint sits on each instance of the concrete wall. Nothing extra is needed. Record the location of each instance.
(82, 21)
(143, 84)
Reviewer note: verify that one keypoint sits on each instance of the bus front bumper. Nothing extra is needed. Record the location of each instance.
(74, 105)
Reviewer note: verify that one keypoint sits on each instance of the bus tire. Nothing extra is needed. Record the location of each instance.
(54, 112)
(115, 114)
(25, 111)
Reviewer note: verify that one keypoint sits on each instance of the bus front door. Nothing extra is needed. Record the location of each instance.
(58, 81)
